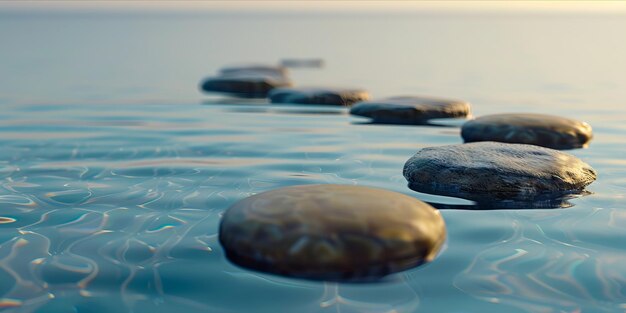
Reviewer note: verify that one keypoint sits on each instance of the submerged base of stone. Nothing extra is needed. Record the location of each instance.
(349, 275)
(542, 201)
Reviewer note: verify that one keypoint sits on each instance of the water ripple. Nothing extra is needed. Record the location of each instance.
(124, 217)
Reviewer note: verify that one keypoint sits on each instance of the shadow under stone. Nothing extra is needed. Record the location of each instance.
(386, 122)
(262, 106)
(274, 111)
(235, 100)
(376, 274)
(502, 202)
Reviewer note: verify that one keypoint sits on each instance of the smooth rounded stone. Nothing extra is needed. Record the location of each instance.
(331, 232)
(497, 171)
(535, 129)
(271, 70)
(328, 96)
(247, 84)
(410, 109)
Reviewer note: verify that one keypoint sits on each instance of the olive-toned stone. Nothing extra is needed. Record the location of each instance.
(245, 84)
(328, 96)
(535, 129)
(331, 232)
(410, 109)
(496, 170)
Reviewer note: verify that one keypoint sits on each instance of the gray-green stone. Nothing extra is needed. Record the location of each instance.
(410, 109)
(535, 129)
(496, 170)
(327, 96)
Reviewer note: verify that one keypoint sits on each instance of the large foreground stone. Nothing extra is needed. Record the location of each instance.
(535, 129)
(496, 170)
(331, 232)
(410, 109)
(328, 96)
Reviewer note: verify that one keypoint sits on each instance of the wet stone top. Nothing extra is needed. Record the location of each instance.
(410, 109)
(536, 129)
(496, 170)
(331, 232)
(311, 95)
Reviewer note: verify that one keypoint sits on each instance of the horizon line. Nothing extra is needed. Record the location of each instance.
(361, 6)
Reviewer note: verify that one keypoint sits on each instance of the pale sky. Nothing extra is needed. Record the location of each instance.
(323, 6)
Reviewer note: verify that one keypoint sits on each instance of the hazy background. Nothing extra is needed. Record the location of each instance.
(119, 52)
(113, 177)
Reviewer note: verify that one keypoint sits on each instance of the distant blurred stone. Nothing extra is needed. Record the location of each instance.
(302, 63)
(255, 68)
(247, 81)
(331, 232)
(410, 109)
(245, 84)
(496, 170)
(536, 129)
(329, 96)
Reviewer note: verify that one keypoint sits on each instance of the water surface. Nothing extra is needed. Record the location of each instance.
(114, 169)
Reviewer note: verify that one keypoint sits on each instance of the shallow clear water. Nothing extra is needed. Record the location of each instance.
(114, 169)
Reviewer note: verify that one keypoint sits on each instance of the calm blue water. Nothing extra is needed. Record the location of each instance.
(114, 169)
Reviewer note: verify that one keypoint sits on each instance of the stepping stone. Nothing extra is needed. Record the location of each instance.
(245, 84)
(535, 129)
(331, 232)
(261, 69)
(497, 171)
(247, 81)
(328, 96)
(410, 109)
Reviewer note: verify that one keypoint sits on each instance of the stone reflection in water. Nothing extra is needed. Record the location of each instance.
(235, 101)
(553, 201)
(274, 110)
